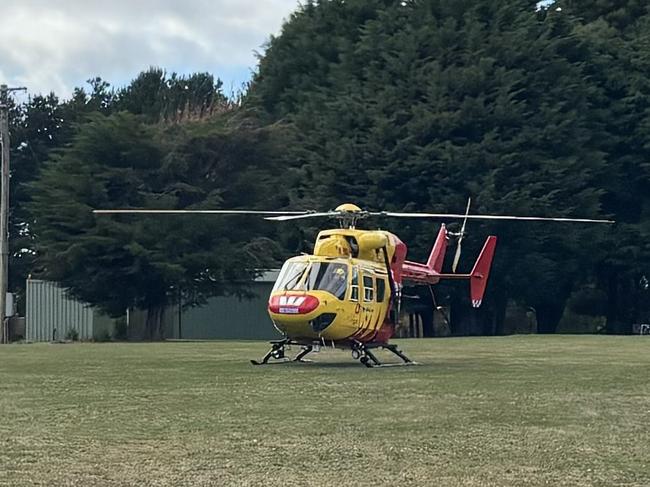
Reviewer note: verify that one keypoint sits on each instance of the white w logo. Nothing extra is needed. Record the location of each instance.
(291, 300)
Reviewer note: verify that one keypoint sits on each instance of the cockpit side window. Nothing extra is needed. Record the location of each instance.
(330, 277)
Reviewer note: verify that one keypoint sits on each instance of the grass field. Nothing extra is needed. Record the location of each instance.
(530, 410)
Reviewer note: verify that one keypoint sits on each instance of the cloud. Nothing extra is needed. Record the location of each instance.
(57, 45)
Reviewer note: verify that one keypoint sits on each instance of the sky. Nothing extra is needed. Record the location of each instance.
(56, 45)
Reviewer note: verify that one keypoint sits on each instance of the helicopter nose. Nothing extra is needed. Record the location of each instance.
(293, 305)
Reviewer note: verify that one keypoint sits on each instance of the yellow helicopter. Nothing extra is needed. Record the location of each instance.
(347, 294)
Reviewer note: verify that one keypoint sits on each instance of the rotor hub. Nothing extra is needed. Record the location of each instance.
(348, 208)
(349, 214)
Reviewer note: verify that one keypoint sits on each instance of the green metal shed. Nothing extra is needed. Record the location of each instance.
(221, 318)
(51, 314)
(230, 318)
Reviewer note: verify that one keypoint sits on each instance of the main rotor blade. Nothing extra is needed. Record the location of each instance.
(489, 217)
(197, 212)
(288, 216)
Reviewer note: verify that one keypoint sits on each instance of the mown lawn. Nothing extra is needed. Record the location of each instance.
(528, 410)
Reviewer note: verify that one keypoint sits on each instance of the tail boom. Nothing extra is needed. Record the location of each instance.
(430, 273)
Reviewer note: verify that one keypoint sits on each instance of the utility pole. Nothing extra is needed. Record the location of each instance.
(4, 207)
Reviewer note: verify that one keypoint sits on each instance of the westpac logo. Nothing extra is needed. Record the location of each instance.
(291, 300)
(476, 302)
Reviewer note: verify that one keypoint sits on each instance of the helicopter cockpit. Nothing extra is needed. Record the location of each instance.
(303, 275)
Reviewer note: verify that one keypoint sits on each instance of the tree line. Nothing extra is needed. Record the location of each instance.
(404, 106)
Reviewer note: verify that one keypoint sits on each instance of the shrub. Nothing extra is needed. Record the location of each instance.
(103, 336)
(72, 334)
(120, 332)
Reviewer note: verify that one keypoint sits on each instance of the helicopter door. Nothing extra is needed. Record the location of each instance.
(381, 289)
(369, 307)
(383, 300)
(354, 296)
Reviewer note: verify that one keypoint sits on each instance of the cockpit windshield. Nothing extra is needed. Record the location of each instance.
(328, 276)
(320, 276)
(290, 277)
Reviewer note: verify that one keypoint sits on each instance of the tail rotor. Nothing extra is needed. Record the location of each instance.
(460, 235)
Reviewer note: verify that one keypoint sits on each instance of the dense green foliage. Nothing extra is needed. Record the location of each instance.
(417, 105)
(411, 105)
(618, 34)
(118, 161)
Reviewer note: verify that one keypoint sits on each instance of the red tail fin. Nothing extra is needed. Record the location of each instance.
(481, 271)
(437, 257)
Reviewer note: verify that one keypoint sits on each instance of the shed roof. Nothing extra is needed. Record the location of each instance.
(268, 276)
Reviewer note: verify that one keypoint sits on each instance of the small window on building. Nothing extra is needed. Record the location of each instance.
(368, 289)
(381, 290)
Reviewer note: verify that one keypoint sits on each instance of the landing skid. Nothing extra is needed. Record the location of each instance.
(363, 353)
(277, 353)
(360, 351)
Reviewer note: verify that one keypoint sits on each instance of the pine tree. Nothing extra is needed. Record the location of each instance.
(618, 33)
(418, 105)
(119, 161)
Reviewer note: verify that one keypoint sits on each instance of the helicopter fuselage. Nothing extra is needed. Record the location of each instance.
(341, 293)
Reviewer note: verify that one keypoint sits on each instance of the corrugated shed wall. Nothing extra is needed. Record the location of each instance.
(224, 318)
(50, 314)
(221, 318)
(229, 318)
